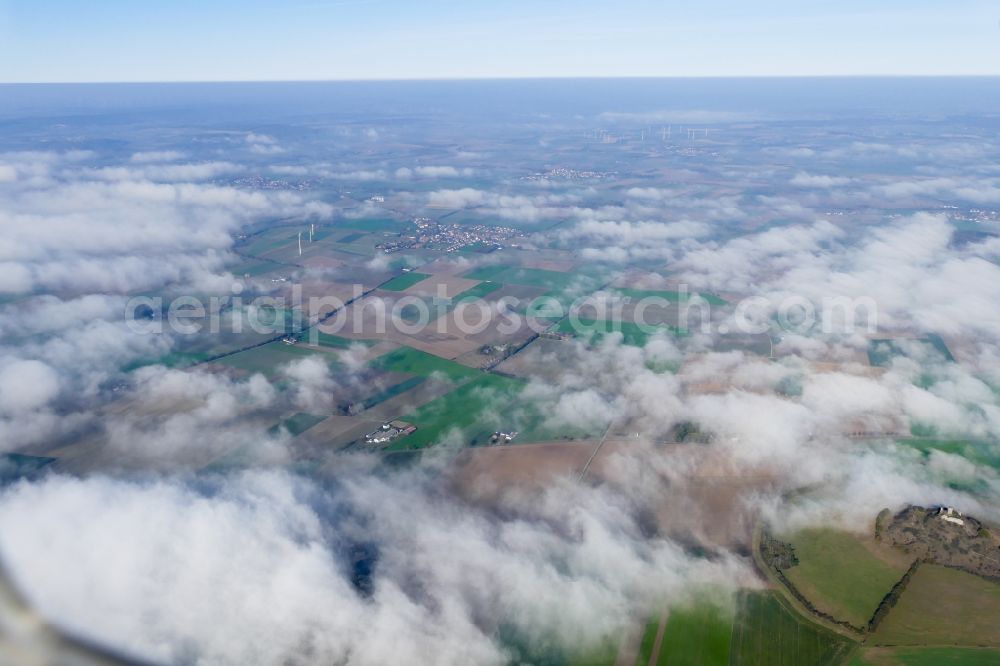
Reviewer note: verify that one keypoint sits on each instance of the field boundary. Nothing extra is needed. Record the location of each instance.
(892, 597)
(796, 599)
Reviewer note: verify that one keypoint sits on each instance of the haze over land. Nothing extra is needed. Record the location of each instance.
(824, 255)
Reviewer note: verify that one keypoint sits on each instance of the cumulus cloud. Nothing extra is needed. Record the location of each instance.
(26, 385)
(803, 179)
(405, 173)
(209, 551)
(312, 383)
(574, 565)
(128, 233)
(145, 156)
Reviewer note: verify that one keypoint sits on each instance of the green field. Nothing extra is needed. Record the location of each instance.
(270, 240)
(556, 281)
(927, 657)
(416, 362)
(552, 653)
(942, 606)
(333, 341)
(697, 635)
(632, 333)
(462, 408)
(267, 358)
(392, 391)
(978, 451)
(255, 268)
(882, 351)
(14, 466)
(172, 360)
(351, 238)
(767, 633)
(672, 296)
(481, 290)
(404, 281)
(648, 641)
(299, 423)
(377, 224)
(839, 575)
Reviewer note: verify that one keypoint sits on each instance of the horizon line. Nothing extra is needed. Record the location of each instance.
(458, 79)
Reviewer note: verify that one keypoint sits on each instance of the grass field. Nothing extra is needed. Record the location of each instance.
(175, 359)
(632, 333)
(375, 224)
(481, 290)
(672, 296)
(299, 423)
(882, 351)
(15, 466)
(927, 657)
(334, 341)
(392, 391)
(463, 408)
(980, 452)
(943, 607)
(413, 361)
(256, 268)
(404, 281)
(270, 240)
(767, 633)
(700, 635)
(268, 358)
(556, 281)
(351, 238)
(839, 575)
(648, 641)
(552, 654)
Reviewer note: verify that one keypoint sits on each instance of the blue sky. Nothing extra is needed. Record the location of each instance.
(185, 40)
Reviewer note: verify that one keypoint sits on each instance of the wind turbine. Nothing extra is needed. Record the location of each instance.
(300, 243)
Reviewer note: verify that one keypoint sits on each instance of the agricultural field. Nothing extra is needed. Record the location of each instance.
(373, 224)
(648, 644)
(550, 654)
(352, 237)
(671, 296)
(14, 466)
(487, 273)
(404, 281)
(391, 392)
(176, 359)
(269, 358)
(926, 657)
(551, 281)
(596, 329)
(882, 351)
(335, 341)
(978, 451)
(475, 293)
(413, 361)
(697, 635)
(299, 423)
(481, 290)
(840, 573)
(768, 633)
(943, 607)
(268, 241)
(463, 408)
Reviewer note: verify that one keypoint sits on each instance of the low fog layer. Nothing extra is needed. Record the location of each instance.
(265, 562)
